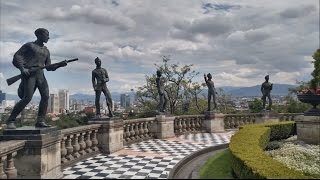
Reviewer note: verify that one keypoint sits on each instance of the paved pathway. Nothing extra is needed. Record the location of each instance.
(152, 159)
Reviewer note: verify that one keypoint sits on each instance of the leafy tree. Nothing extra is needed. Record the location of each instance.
(315, 81)
(294, 106)
(225, 104)
(177, 80)
(256, 106)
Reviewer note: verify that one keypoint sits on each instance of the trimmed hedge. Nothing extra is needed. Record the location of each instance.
(248, 157)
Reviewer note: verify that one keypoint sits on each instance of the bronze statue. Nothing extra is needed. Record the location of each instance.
(162, 93)
(266, 88)
(99, 79)
(211, 91)
(33, 55)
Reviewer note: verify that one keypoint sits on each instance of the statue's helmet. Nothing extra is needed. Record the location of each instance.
(209, 75)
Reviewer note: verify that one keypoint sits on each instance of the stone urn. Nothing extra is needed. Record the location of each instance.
(314, 100)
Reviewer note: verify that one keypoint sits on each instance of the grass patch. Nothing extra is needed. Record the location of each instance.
(218, 166)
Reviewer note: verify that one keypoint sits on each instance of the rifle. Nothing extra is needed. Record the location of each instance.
(17, 77)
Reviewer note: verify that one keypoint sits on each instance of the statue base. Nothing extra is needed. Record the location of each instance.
(268, 116)
(158, 113)
(308, 129)
(213, 122)
(101, 119)
(41, 156)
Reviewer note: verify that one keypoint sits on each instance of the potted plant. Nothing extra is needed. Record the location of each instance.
(312, 95)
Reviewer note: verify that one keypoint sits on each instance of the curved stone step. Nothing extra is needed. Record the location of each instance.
(189, 167)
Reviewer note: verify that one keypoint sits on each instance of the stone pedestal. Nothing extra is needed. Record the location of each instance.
(213, 122)
(308, 129)
(165, 127)
(40, 158)
(110, 135)
(268, 116)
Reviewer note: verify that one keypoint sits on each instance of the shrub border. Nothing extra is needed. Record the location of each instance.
(248, 157)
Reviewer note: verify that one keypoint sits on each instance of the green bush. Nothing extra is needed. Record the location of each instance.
(249, 159)
(273, 145)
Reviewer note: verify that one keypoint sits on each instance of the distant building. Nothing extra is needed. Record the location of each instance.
(90, 109)
(53, 104)
(2, 96)
(124, 100)
(8, 103)
(63, 100)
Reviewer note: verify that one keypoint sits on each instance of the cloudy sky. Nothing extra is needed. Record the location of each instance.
(237, 41)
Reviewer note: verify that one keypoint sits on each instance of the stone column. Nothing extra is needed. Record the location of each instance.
(165, 127)
(213, 122)
(41, 156)
(308, 129)
(110, 135)
(268, 116)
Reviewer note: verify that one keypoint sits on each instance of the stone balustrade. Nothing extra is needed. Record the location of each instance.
(78, 143)
(288, 116)
(136, 130)
(188, 124)
(232, 121)
(106, 136)
(8, 149)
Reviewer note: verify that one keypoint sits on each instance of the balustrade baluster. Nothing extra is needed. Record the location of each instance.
(95, 140)
(76, 146)
(88, 142)
(132, 132)
(11, 171)
(146, 131)
(193, 129)
(69, 147)
(136, 130)
(82, 144)
(63, 150)
(127, 132)
(141, 130)
(184, 125)
(187, 127)
(180, 126)
(2, 173)
(124, 133)
(175, 126)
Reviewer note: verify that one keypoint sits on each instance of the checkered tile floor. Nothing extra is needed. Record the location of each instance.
(145, 165)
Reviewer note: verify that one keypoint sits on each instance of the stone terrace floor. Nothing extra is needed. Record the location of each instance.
(152, 159)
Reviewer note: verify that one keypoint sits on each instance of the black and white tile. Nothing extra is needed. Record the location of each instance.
(144, 166)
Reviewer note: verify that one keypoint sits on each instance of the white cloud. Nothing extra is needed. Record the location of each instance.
(239, 46)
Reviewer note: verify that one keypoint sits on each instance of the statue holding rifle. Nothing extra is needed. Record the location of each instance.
(31, 59)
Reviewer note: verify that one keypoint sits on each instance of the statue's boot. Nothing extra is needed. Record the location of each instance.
(41, 124)
(11, 125)
(110, 112)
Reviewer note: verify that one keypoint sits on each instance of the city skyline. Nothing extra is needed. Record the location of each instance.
(238, 42)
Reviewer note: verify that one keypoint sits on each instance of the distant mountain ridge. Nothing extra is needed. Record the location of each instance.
(278, 89)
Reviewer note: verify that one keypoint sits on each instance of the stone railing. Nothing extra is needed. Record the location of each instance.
(136, 130)
(232, 121)
(8, 149)
(78, 143)
(288, 116)
(188, 124)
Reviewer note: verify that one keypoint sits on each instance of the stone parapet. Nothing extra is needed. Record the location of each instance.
(213, 122)
(308, 129)
(40, 158)
(165, 126)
